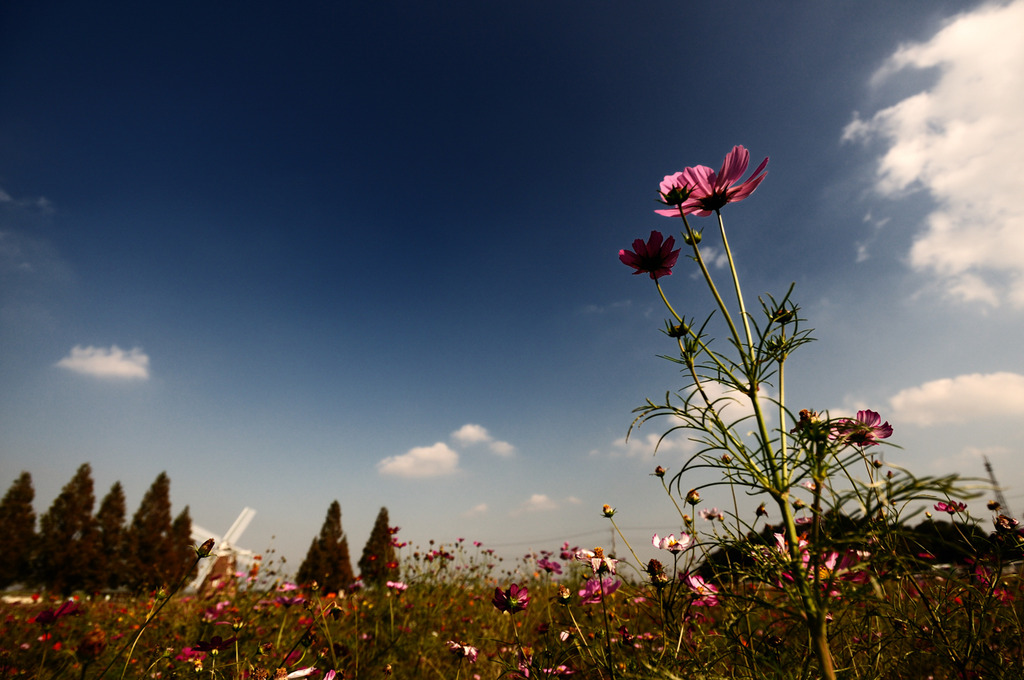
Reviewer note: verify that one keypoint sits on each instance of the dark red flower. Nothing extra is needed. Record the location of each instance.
(655, 257)
(513, 600)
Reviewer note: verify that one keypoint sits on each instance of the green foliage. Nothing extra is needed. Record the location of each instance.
(17, 532)
(327, 562)
(67, 536)
(379, 563)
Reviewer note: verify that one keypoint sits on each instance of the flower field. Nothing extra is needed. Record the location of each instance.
(827, 578)
(563, 613)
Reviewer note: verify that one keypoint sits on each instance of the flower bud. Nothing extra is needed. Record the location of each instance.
(607, 510)
(692, 238)
(205, 549)
(693, 497)
(659, 472)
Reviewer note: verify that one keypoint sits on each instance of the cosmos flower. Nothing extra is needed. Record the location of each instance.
(707, 594)
(864, 430)
(214, 644)
(712, 514)
(595, 590)
(671, 544)
(513, 600)
(550, 566)
(655, 257)
(952, 507)
(463, 651)
(49, 616)
(599, 564)
(708, 191)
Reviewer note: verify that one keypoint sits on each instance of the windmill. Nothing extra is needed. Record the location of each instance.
(218, 571)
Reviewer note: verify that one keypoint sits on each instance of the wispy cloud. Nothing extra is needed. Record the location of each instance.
(421, 461)
(966, 398)
(538, 502)
(476, 510)
(960, 142)
(471, 434)
(103, 362)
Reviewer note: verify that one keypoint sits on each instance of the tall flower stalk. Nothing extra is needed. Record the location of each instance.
(762, 465)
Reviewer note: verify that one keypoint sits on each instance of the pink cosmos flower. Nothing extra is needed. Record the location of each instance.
(707, 594)
(713, 514)
(710, 191)
(398, 586)
(671, 544)
(952, 507)
(655, 257)
(594, 590)
(513, 600)
(864, 430)
(463, 651)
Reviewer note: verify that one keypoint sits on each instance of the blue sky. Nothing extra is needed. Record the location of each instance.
(368, 251)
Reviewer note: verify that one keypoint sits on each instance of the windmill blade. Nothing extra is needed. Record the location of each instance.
(200, 534)
(239, 526)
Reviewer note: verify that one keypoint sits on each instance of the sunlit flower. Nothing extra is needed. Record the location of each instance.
(710, 191)
(599, 564)
(513, 600)
(655, 257)
(595, 590)
(397, 586)
(671, 544)
(864, 430)
(707, 594)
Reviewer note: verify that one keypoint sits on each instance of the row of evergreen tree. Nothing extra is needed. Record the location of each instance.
(77, 550)
(329, 566)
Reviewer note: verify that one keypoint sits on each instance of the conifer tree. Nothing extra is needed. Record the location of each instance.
(110, 540)
(17, 532)
(181, 545)
(328, 562)
(379, 562)
(150, 563)
(67, 536)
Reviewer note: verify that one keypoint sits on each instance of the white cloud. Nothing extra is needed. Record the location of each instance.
(470, 434)
(476, 510)
(421, 461)
(538, 502)
(965, 398)
(101, 362)
(960, 141)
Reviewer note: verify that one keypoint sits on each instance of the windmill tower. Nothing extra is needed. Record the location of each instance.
(218, 571)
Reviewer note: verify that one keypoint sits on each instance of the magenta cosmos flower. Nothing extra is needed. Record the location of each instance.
(594, 590)
(864, 430)
(701, 191)
(655, 257)
(513, 600)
